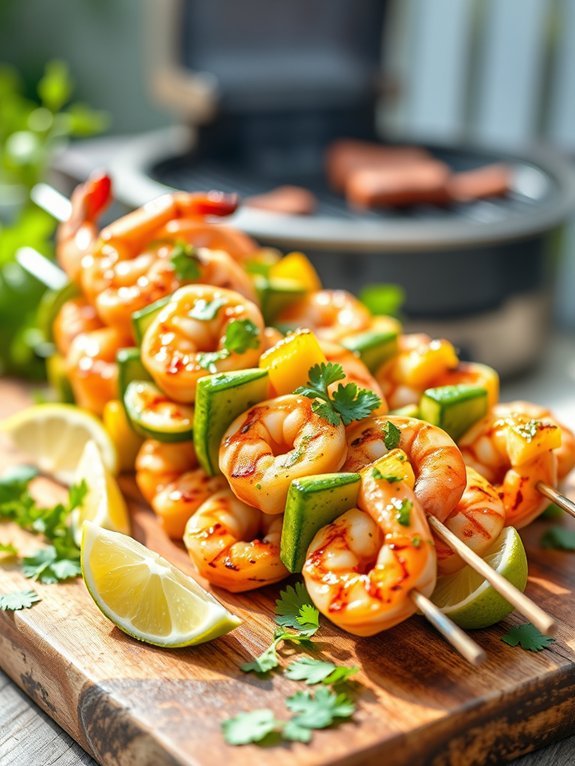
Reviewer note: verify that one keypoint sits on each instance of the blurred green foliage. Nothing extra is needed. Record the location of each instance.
(31, 130)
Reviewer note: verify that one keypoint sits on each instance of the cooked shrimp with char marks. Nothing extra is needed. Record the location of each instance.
(477, 519)
(493, 446)
(360, 569)
(437, 463)
(189, 338)
(274, 442)
(234, 545)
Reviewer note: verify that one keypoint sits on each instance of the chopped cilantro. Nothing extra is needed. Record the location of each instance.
(347, 403)
(22, 599)
(185, 262)
(391, 435)
(528, 637)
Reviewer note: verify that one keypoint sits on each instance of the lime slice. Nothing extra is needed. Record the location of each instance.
(103, 503)
(54, 437)
(469, 600)
(147, 597)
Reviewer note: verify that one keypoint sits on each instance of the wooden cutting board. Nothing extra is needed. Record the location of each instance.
(418, 701)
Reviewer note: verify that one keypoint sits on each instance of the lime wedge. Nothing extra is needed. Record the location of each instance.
(54, 437)
(469, 600)
(145, 596)
(103, 503)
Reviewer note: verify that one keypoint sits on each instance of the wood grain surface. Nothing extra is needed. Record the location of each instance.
(419, 703)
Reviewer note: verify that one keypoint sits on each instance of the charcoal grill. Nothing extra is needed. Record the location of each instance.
(479, 272)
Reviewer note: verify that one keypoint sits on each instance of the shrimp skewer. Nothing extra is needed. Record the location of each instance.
(373, 567)
(234, 545)
(440, 481)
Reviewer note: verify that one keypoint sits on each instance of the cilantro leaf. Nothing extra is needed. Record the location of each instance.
(354, 403)
(249, 727)
(320, 710)
(240, 335)
(206, 310)
(403, 514)
(294, 732)
(528, 637)
(48, 565)
(8, 550)
(289, 604)
(266, 661)
(310, 670)
(185, 262)
(15, 481)
(347, 403)
(559, 538)
(23, 599)
(391, 435)
(308, 618)
(208, 359)
(379, 476)
(314, 671)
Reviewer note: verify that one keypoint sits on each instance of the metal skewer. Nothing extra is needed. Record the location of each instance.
(458, 639)
(542, 621)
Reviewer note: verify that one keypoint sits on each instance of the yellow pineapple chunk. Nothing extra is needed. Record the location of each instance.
(421, 366)
(298, 268)
(289, 361)
(392, 467)
(527, 438)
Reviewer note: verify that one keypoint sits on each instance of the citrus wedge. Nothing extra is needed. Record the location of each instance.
(469, 600)
(145, 596)
(103, 503)
(54, 437)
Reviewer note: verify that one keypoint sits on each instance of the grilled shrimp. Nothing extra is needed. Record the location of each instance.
(233, 545)
(330, 314)
(92, 369)
(199, 233)
(566, 452)
(180, 345)
(76, 236)
(361, 568)
(274, 442)
(419, 362)
(355, 370)
(118, 288)
(477, 519)
(437, 463)
(488, 447)
(169, 479)
(159, 464)
(76, 316)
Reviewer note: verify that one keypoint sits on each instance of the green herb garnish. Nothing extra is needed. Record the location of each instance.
(22, 599)
(527, 637)
(185, 262)
(347, 403)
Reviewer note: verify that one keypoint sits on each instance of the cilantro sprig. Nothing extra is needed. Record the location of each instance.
(240, 335)
(293, 610)
(527, 637)
(60, 560)
(346, 404)
(185, 262)
(21, 599)
(312, 711)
